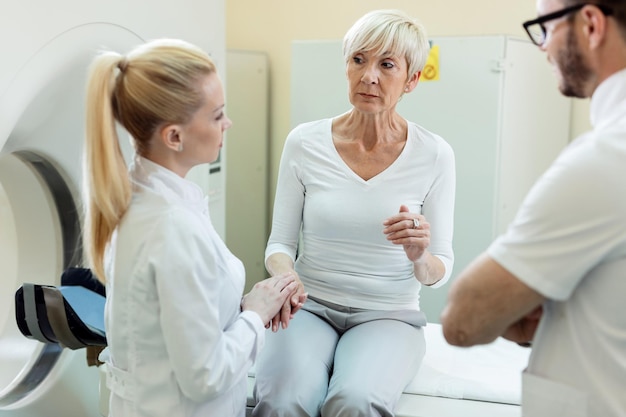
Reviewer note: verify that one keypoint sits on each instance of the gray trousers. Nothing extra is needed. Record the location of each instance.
(335, 361)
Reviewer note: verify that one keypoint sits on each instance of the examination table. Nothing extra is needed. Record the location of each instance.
(480, 381)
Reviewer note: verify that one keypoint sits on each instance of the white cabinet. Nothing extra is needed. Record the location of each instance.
(496, 102)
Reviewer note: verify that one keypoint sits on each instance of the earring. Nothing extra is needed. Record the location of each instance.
(406, 89)
(180, 147)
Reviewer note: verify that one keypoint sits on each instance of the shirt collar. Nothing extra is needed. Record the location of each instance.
(608, 102)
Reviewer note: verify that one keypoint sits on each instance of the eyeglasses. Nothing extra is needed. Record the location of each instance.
(537, 31)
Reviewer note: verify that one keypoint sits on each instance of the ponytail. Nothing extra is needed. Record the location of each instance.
(155, 84)
(107, 184)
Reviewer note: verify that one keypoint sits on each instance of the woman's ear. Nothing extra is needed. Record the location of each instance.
(412, 82)
(170, 136)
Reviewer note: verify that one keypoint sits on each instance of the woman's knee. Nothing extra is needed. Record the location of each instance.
(355, 402)
(284, 407)
(291, 394)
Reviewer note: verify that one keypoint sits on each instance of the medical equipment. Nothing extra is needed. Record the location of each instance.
(71, 315)
(47, 47)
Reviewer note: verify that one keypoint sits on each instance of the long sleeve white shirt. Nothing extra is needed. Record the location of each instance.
(179, 345)
(343, 255)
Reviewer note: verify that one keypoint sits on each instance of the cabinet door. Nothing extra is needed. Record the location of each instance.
(464, 106)
(247, 150)
(535, 126)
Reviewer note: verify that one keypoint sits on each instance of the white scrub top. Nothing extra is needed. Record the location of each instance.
(568, 242)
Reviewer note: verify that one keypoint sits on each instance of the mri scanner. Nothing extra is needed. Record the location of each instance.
(46, 48)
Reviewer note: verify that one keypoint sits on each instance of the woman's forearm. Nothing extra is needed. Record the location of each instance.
(279, 263)
(428, 269)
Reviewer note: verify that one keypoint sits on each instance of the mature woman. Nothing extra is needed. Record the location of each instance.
(180, 337)
(363, 216)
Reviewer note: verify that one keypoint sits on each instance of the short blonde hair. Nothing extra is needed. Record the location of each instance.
(155, 84)
(390, 31)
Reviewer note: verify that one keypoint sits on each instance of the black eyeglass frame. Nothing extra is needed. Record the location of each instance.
(555, 15)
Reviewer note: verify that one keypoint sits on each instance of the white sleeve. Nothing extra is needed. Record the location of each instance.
(569, 221)
(289, 200)
(438, 209)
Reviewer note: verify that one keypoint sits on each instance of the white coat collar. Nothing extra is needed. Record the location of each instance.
(147, 174)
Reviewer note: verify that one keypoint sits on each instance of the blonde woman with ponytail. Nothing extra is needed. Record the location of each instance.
(180, 336)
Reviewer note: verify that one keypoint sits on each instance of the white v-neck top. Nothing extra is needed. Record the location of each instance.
(344, 256)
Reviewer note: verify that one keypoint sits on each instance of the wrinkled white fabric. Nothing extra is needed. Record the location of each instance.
(568, 242)
(347, 259)
(179, 345)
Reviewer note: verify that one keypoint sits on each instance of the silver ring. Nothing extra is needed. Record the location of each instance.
(416, 223)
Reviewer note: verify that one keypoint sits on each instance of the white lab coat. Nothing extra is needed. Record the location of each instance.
(178, 343)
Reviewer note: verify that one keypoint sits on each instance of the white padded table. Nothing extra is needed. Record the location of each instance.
(480, 381)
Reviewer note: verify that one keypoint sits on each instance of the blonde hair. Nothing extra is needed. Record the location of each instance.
(390, 31)
(157, 83)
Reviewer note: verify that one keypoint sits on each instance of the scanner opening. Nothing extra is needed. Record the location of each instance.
(40, 238)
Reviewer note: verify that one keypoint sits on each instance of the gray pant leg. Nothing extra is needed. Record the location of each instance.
(374, 362)
(292, 370)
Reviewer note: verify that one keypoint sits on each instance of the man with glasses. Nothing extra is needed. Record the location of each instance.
(557, 277)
